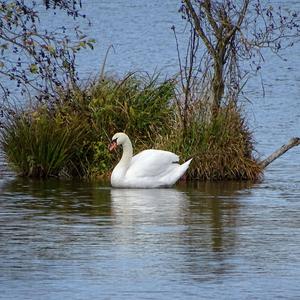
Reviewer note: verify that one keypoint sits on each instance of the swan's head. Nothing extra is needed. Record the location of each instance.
(119, 138)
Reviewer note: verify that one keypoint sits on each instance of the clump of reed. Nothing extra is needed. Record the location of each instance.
(139, 105)
(38, 144)
(70, 136)
(222, 148)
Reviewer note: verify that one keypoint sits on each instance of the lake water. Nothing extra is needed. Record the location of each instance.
(74, 240)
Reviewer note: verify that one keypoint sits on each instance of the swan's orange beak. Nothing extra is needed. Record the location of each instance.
(113, 145)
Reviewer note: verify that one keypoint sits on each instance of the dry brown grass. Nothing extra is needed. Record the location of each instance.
(221, 149)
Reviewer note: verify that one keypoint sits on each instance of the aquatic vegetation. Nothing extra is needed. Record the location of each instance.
(70, 137)
(136, 104)
(222, 149)
(37, 144)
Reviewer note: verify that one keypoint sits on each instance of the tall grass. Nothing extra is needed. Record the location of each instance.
(138, 105)
(70, 137)
(38, 145)
(222, 149)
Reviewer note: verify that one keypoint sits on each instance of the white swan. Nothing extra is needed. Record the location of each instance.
(148, 169)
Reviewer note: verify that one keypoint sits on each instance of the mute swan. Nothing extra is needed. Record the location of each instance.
(148, 169)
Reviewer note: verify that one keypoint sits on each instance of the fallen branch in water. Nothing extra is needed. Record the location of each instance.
(292, 143)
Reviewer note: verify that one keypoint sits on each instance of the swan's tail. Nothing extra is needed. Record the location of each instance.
(185, 166)
(176, 173)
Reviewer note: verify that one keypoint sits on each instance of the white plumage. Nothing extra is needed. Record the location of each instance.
(148, 169)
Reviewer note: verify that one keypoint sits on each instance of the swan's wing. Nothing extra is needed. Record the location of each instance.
(152, 163)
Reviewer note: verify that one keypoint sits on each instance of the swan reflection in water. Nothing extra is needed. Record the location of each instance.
(160, 223)
(148, 227)
(148, 206)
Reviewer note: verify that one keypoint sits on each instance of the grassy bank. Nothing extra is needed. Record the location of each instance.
(70, 137)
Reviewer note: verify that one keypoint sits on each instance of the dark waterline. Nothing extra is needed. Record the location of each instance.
(74, 240)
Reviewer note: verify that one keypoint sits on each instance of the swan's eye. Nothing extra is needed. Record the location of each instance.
(114, 140)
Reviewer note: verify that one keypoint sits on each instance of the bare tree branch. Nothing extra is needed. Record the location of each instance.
(292, 143)
(239, 22)
(237, 32)
(210, 18)
(198, 27)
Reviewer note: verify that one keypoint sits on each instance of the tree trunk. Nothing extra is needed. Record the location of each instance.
(217, 87)
(292, 143)
(217, 84)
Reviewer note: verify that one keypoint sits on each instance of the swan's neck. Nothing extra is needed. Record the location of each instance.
(123, 165)
(127, 153)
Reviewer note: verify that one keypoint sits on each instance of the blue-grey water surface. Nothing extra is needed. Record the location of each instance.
(75, 240)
